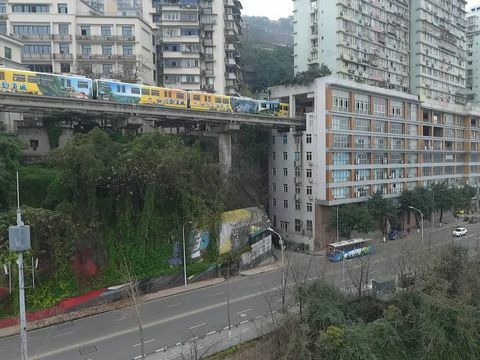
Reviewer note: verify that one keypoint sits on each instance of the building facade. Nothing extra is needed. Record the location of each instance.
(417, 47)
(473, 56)
(71, 36)
(10, 52)
(360, 140)
(198, 43)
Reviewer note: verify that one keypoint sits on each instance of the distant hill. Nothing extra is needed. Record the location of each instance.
(263, 31)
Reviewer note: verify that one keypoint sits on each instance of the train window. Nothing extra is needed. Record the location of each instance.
(106, 88)
(196, 97)
(146, 92)
(180, 96)
(45, 78)
(2, 75)
(218, 100)
(135, 90)
(18, 77)
(155, 93)
(84, 85)
(226, 101)
(33, 79)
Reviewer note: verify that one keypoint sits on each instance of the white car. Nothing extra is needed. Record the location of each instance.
(460, 232)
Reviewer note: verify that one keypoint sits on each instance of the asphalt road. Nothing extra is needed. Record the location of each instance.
(168, 321)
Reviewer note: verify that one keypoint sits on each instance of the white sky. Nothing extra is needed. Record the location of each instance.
(275, 9)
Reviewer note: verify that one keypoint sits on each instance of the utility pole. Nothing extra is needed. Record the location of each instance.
(19, 242)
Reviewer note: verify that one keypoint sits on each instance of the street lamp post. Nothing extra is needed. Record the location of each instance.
(421, 215)
(185, 255)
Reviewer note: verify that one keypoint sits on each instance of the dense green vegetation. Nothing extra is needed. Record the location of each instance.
(436, 318)
(101, 201)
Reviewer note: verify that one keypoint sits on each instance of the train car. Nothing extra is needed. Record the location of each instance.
(44, 84)
(244, 105)
(206, 101)
(268, 107)
(154, 95)
(284, 110)
(116, 91)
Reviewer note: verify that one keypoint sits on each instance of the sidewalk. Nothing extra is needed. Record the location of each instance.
(95, 310)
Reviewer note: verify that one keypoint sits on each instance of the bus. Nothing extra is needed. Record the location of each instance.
(349, 249)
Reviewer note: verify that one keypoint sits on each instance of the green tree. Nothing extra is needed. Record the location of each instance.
(420, 198)
(353, 217)
(9, 153)
(382, 209)
(307, 77)
(443, 196)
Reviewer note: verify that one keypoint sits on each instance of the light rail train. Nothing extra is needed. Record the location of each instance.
(80, 87)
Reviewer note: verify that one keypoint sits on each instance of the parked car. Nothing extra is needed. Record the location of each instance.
(460, 232)
(394, 235)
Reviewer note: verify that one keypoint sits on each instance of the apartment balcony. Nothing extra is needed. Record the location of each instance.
(208, 57)
(57, 37)
(230, 61)
(44, 57)
(91, 57)
(208, 73)
(100, 38)
(63, 57)
(231, 35)
(208, 42)
(231, 76)
(229, 3)
(207, 26)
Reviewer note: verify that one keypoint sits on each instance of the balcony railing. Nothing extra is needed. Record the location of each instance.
(118, 38)
(63, 56)
(106, 57)
(62, 37)
(36, 56)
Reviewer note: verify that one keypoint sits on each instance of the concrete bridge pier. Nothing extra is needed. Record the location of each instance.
(225, 148)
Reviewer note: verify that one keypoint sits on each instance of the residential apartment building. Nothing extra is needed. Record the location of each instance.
(362, 40)
(412, 46)
(360, 140)
(473, 56)
(198, 43)
(71, 36)
(10, 52)
(438, 50)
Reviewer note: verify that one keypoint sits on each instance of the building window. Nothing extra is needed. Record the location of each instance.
(30, 8)
(309, 190)
(273, 140)
(274, 187)
(298, 225)
(284, 226)
(274, 155)
(396, 109)
(396, 128)
(107, 49)
(341, 158)
(341, 193)
(106, 31)
(380, 107)
(274, 171)
(64, 68)
(85, 30)
(362, 104)
(309, 173)
(285, 156)
(341, 141)
(285, 140)
(285, 172)
(297, 189)
(309, 225)
(285, 204)
(309, 138)
(340, 123)
(361, 142)
(86, 50)
(274, 202)
(341, 101)
(340, 176)
(63, 29)
(380, 126)
(34, 145)
(285, 188)
(127, 50)
(107, 69)
(362, 125)
(8, 53)
(62, 9)
(127, 31)
(297, 205)
(309, 207)
(297, 173)
(64, 48)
